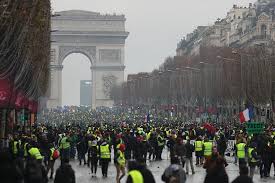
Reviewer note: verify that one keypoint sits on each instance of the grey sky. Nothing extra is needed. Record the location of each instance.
(155, 27)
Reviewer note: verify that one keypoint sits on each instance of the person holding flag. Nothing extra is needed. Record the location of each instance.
(246, 115)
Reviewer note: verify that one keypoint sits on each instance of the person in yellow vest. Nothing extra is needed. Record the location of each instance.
(207, 150)
(161, 144)
(105, 157)
(241, 152)
(118, 141)
(138, 173)
(26, 147)
(89, 131)
(51, 161)
(121, 163)
(15, 146)
(135, 176)
(252, 159)
(34, 153)
(64, 147)
(89, 139)
(93, 155)
(198, 151)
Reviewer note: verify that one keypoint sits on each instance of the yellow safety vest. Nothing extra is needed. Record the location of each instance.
(198, 145)
(64, 144)
(90, 143)
(161, 142)
(105, 152)
(34, 152)
(208, 148)
(136, 176)
(251, 159)
(167, 133)
(15, 149)
(148, 135)
(117, 146)
(121, 159)
(52, 151)
(241, 150)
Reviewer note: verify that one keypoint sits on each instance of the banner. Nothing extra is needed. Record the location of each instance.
(230, 145)
(254, 128)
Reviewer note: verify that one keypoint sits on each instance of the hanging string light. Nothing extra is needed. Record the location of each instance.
(25, 45)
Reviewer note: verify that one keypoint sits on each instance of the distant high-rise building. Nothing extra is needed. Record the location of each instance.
(85, 92)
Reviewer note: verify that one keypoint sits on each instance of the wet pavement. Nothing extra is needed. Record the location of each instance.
(83, 174)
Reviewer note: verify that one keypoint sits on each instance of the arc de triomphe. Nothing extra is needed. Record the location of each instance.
(101, 38)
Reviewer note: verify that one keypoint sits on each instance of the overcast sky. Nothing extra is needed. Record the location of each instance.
(155, 26)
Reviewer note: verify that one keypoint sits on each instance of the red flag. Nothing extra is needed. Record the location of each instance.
(209, 127)
(242, 119)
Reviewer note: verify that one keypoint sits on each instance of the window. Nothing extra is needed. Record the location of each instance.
(263, 30)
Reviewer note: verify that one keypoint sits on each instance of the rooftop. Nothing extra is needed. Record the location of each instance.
(81, 14)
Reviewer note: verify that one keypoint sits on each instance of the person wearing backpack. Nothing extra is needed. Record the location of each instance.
(64, 146)
(53, 154)
(93, 156)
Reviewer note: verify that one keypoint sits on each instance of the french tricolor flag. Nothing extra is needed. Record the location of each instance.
(246, 115)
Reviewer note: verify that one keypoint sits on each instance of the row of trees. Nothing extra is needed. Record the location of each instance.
(219, 78)
(24, 56)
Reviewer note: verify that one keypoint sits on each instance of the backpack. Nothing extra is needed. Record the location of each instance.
(55, 154)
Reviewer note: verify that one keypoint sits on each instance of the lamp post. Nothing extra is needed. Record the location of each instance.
(232, 99)
(243, 93)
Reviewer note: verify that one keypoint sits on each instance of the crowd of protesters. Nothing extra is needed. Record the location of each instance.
(130, 139)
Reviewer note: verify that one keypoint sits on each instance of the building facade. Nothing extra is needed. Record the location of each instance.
(241, 28)
(85, 93)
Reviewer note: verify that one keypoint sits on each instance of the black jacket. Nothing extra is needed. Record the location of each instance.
(64, 174)
(180, 149)
(189, 149)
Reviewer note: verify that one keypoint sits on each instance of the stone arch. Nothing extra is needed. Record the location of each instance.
(101, 38)
(88, 51)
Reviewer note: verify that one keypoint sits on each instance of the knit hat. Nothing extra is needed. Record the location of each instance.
(122, 147)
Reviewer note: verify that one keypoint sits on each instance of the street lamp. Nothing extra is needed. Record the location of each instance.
(56, 15)
(193, 69)
(225, 59)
